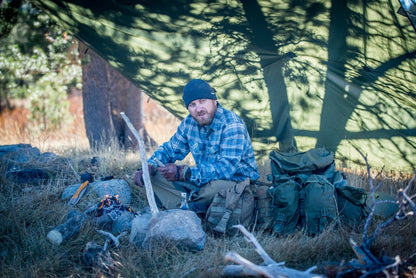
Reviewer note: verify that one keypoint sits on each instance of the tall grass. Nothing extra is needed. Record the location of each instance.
(28, 212)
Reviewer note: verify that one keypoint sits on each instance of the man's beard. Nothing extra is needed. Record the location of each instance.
(206, 118)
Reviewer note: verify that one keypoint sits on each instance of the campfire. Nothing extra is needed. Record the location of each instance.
(111, 206)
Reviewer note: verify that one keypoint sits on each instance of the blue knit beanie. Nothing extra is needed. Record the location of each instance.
(197, 89)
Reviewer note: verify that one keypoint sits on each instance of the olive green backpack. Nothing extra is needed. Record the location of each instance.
(308, 193)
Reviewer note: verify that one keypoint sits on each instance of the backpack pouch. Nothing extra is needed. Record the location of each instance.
(285, 205)
(319, 204)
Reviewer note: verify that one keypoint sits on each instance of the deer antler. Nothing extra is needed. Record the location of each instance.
(271, 268)
(146, 176)
(114, 239)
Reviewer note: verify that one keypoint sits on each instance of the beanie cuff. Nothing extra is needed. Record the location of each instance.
(197, 89)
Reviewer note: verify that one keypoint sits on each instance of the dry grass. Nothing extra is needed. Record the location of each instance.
(29, 211)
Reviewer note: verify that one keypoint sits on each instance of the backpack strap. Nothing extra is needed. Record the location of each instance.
(323, 220)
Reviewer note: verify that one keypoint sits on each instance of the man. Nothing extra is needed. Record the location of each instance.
(220, 145)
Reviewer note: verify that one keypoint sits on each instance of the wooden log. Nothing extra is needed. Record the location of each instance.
(67, 229)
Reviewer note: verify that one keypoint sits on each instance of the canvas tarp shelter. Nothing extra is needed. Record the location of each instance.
(333, 74)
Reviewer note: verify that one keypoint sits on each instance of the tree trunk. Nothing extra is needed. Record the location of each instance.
(105, 94)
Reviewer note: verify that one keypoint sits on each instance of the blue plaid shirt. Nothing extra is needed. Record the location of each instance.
(222, 150)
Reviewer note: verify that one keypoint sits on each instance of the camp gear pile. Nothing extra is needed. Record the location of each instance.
(308, 193)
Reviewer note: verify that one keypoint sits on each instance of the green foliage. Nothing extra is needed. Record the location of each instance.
(40, 62)
(48, 104)
(8, 16)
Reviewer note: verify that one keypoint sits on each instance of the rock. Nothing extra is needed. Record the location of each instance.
(19, 153)
(181, 228)
(100, 189)
(140, 226)
(123, 223)
(113, 187)
(26, 164)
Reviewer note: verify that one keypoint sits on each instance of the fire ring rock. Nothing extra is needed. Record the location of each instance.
(113, 187)
(101, 189)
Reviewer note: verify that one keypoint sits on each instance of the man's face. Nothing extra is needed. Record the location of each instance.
(203, 110)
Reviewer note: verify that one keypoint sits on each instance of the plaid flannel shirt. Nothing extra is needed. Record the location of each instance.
(221, 151)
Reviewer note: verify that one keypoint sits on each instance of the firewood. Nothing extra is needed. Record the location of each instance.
(67, 229)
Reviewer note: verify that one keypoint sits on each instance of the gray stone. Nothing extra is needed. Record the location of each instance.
(123, 223)
(19, 154)
(26, 164)
(113, 187)
(181, 228)
(12, 148)
(139, 227)
(103, 188)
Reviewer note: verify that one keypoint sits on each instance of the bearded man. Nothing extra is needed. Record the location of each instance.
(220, 146)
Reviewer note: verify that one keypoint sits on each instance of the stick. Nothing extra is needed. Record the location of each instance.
(146, 177)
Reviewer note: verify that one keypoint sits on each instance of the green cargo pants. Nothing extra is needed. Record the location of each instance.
(169, 193)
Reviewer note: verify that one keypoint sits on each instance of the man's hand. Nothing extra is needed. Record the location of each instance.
(173, 172)
(138, 176)
(169, 172)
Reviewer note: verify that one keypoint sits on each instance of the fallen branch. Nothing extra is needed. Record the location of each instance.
(403, 201)
(368, 263)
(259, 249)
(146, 176)
(99, 258)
